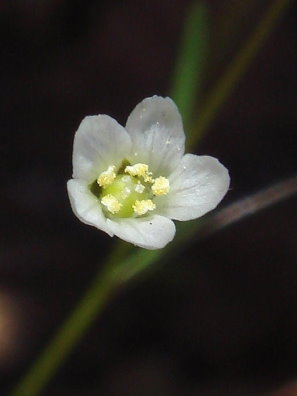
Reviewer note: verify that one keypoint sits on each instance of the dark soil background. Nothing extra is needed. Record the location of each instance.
(221, 319)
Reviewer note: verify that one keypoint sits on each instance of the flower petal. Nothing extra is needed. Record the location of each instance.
(153, 232)
(156, 130)
(99, 142)
(196, 186)
(86, 206)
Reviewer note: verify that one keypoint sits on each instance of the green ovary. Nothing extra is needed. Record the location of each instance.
(123, 189)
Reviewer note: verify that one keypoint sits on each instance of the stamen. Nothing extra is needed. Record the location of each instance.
(143, 206)
(161, 186)
(111, 203)
(107, 177)
(140, 170)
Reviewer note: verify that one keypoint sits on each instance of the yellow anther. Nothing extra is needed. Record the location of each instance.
(107, 177)
(160, 186)
(137, 169)
(143, 206)
(111, 203)
(140, 170)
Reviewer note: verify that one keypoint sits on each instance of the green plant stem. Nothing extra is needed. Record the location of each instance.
(71, 331)
(235, 71)
(190, 61)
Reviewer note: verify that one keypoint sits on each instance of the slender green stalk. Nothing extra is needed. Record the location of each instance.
(191, 60)
(71, 331)
(117, 269)
(235, 71)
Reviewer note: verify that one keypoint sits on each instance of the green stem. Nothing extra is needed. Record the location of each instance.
(235, 71)
(190, 61)
(88, 309)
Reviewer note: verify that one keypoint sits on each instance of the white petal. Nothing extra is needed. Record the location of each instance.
(86, 206)
(156, 130)
(99, 142)
(197, 186)
(153, 232)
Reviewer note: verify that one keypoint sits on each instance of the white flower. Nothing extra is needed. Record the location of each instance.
(133, 181)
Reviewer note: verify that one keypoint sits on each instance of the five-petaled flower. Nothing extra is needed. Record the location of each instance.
(133, 181)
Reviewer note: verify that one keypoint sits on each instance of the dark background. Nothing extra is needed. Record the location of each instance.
(221, 319)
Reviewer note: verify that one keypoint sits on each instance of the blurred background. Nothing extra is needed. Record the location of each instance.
(219, 319)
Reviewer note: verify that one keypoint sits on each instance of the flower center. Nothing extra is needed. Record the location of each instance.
(129, 191)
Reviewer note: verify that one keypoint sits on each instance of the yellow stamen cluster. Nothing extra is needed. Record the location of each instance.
(111, 203)
(142, 207)
(130, 193)
(160, 186)
(140, 170)
(107, 177)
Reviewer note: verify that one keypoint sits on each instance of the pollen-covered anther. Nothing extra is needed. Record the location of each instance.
(140, 170)
(111, 203)
(161, 186)
(107, 177)
(143, 206)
